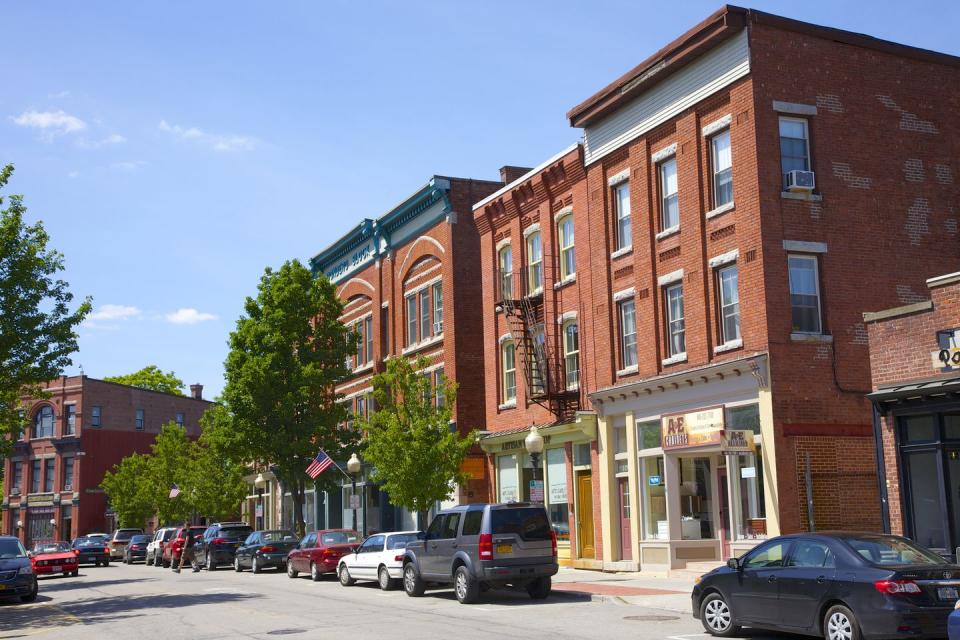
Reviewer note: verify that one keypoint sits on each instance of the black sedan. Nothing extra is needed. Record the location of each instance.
(17, 579)
(91, 550)
(136, 549)
(842, 586)
(264, 549)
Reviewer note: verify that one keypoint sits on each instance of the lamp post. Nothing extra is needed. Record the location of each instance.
(259, 483)
(353, 468)
(534, 445)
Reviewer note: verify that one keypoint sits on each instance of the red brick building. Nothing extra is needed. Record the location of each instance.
(86, 426)
(915, 362)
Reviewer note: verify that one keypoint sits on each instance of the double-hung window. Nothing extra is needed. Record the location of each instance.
(425, 326)
(729, 299)
(509, 358)
(505, 261)
(139, 420)
(534, 263)
(180, 419)
(676, 334)
(621, 201)
(412, 336)
(48, 474)
(361, 344)
(95, 417)
(804, 294)
(722, 162)
(794, 146)
(669, 199)
(70, 428)
(17, 476)
(68, 473)
(538, 370)
(438, 308)
(35, 471)
(628, 333)
(43, 423)
(568, 265)
(571, 354)
(439, 388)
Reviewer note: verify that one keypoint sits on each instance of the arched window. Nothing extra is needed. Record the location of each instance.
(505, 266)
(568, 264)
(43, 423)
(508, 353)
(534, 263)
(571, 353)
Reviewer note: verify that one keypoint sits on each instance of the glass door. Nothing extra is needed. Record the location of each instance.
(952, 457)
(925, 499)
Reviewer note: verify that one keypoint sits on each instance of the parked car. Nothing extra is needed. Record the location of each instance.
(155, 548)
(320, 551)
(219, 543)
(264, 549)
(119, 541)
(842, 586)
(91, 550)
(953, 623)
(49, 558)
(172, 549)
(136, 549)
(17, 579)
(479, 546)
(379, 558)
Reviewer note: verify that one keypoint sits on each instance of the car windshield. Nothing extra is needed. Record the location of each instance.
(400, 541)
(892, 551)
(100, 537)
(50, 547)
(11, 548)
(278, 536)
(88, 542)
(139, 539)
(530, 523)
(125, 535)
(339, 537)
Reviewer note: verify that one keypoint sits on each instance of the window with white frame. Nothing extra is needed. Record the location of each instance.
(505, 261)
(95, 416)
(68, 473)
(621, 201)
(568, 263)
(729, 301)
(424, 314)
(426, 329)
(179, 419)
(628, 333)
(412, 335)
(70, 428)
(439, 387)
(508, 353)
(676, 334)
(794, 146)
(438, 308)
(368, 337)
(804, 294)
(669, 198)
(43, 423)
(722, 162)
(534, 263)
(139, 420)
(571, 353)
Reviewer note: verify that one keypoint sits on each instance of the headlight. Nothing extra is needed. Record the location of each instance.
(25, 570)
(957, 606)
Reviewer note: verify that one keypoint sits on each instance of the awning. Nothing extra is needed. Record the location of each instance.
(583, 427)
(921, 389)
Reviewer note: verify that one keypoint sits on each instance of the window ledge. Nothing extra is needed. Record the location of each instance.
(536, 292)
(729, 345)
(621, 252)
(570, 279)
(417, 346)
(573, 387)
(674, 359)
(809, 197)
(666, 233)
(363, 369)
(628, 371)
(508, 405)
(811, 337)
(722, 209)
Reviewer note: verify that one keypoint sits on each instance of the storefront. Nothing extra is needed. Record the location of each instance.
(685, 476)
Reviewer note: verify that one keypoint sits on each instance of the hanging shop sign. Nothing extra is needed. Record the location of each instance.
(737, 441)
(946, 359)
(694, 429)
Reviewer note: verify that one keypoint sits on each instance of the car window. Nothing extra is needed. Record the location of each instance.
(809, 553)
(338, 537)
(891, 551)
(234, 532)
(400, 540)
(251, 539)
(451, 525)
(50, 547)
(278, 536)
(530, 523)
(767, 557)
(11, 548)
(471, 523)
(436, 527)
(373, 544)
(124, 535)
(139, 539)
(309, 541)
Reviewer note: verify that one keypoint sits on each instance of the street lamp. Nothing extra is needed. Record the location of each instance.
(353, 467)
(534, 445)
(259, 483)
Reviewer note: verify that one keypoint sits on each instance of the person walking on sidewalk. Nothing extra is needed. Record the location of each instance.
(187, 553)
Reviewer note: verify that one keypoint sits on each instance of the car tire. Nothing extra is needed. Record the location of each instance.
(236, 564)
(75, 573)
(344, 574)
(840, 624)
(291, 572)
(106, 562)
(255, 566)
(717, 617)
(540, 588)
(466, 588)
(30, 597)
(96, 563)
(315, 574)
(413, 584)
(386, 582)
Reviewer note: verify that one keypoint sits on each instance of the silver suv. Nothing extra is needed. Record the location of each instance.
(478, 546)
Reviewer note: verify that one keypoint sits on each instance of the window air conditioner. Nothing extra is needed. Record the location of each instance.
(800, 181)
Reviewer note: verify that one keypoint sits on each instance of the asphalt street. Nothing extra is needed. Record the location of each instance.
(139, 602)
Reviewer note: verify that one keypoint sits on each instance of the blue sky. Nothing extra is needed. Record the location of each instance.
(173, 150)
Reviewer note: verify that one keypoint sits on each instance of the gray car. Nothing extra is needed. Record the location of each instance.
(476, 547)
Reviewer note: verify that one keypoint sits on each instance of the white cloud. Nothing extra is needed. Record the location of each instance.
(217, 142)
(73, 174)
(60, 95)
(188, 315)
(113, 138)
(109, 315)
(128, 165)
(50, 122)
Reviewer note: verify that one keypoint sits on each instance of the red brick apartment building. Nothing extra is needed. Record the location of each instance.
(915, 360)
(86, 426)
(410, 286)
(740, 199)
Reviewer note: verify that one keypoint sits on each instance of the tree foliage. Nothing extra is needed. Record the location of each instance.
(415, 454)
(152, 378)
(128, 491)
(37, 327)
(288, 351)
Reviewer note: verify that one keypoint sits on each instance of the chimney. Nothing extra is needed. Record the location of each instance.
(509, 173)
(196, 391)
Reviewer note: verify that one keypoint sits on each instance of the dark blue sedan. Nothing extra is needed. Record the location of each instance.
(17, 579)
(953, 623)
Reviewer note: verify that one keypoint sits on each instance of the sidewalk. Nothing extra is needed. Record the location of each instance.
(634, 588)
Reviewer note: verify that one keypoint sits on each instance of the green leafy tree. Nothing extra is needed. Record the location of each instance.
(216, 480)
(288, 351)
(37, 328)
(169, 464)
(127, 488)
(152, 378)
(414, 453)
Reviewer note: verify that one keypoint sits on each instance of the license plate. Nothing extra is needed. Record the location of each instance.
(947, 593)
(56, 569)
(504, 548)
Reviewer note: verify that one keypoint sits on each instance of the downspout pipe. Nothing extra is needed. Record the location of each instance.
(881, 469)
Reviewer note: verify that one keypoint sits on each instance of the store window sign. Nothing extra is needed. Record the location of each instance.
(693, 429)
(737, 441)
(558, 493)
(654, 481)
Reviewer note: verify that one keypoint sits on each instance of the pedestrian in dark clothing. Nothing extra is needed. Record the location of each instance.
(187, 553)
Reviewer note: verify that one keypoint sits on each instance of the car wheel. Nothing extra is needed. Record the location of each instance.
(716, 616)
(466, 588)
(345, 578)
(30, 597)
(840, 624)
(539, 589)
(315, 574)
(291, 572)
(106, 562)
(386, 582)
(255, 565)
(236, 564)
(412, 582)
(210, 565)
(75, 573)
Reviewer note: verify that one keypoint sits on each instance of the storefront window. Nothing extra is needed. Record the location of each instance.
(918, 428)
(654, 499)
(557, 493)
(746, 417)
(648, 434)
(696, 504)
(752, 509)
(507, 480)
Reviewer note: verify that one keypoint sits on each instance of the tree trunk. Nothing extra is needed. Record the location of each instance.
(297, 492)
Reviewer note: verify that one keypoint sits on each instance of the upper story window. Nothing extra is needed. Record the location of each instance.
(508, 355)
(180, 419)
(538, 371)
(424, 315)
(95, 417)
(794, 146)
(411, 319)
(621, 201)
(17, 475)
(426, 329)
(49, 466)
(568, 262)
(362, 409)
(571, 354)
(722, 161)
(534, 263)
(505, 264)
(669, 198)
(70, 427)
(439, 380)
(676, 331)
(68, 463)
(438, 308)
(364, 330)
(804, 294)
(35, 471)
(139, 420)
(43, 422)
(729, 301)
(21, 427)
(628, 333)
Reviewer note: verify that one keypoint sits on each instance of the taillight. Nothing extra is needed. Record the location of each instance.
(486, 546)
(268, 549)
(76, 552)
(400, 559)
(220, 541)
(897, 587)
(553, 542)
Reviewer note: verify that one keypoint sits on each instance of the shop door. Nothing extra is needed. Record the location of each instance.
(585, 514)
(925, 483)
(724, 512)
(623, 491)
(39, 528)
(953, 496)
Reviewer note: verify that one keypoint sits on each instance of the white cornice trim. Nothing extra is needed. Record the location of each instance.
(566, 211)
(617, 178)
(802, 246)
(724, 258)
(624, 294)
(670, 278)
(535, 227)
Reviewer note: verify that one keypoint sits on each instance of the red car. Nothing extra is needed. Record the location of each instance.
(172, 549)
(49, 558)
(319, 552)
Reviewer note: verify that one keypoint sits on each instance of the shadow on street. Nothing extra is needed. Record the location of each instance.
(78, 583)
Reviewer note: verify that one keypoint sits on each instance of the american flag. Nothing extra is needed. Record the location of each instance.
(174, 491)
(319, 464)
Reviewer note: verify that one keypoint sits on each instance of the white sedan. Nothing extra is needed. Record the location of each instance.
(379, 558)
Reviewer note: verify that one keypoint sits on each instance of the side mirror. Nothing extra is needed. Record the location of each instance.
(421, 535)
(734, 563)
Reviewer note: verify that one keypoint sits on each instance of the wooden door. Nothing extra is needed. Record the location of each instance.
(585, 515)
